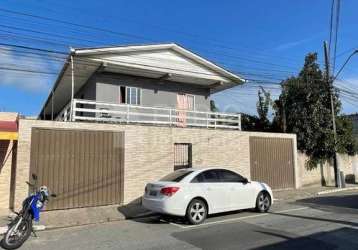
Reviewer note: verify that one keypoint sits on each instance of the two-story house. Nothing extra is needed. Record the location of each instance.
(161, 84)
(119, 117)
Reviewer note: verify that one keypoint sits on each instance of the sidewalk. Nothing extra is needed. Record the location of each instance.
(309, 192)
(86, 216)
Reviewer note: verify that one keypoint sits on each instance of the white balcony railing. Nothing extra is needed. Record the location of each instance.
(86, 110)
(65, 114)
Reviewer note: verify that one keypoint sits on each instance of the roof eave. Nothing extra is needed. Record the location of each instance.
(58, 79)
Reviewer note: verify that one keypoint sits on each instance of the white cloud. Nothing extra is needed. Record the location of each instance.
(32, 82)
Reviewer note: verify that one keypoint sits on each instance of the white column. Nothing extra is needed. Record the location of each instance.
(72, 87)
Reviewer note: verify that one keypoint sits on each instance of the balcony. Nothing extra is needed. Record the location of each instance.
(92, 111)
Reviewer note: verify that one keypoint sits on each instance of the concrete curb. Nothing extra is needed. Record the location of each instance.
(147, 214)
(3, 230)
(37, 228)
(337, 190)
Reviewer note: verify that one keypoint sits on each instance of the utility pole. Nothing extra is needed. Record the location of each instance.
(331, 92)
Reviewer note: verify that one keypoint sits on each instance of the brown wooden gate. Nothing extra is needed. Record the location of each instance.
(271, 161)
(84, 168)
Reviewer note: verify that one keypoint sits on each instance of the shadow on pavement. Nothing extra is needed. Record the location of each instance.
(349, 203)
(343, 238)
(182, 220)
(248, 236)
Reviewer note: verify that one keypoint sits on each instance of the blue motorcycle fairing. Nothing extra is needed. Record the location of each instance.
(34, 209)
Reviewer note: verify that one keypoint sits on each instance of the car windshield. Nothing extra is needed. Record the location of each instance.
(176, 176)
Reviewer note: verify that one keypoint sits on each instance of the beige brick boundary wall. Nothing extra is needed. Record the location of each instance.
(325, 172)
(149, 151)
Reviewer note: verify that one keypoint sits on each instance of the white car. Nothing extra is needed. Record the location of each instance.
(195, 193)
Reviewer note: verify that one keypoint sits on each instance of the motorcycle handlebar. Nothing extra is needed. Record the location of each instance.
(31, 185)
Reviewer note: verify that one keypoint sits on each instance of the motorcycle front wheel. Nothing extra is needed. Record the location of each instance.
(13, 239)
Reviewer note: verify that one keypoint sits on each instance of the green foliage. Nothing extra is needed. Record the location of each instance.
(249, 122)
(346, 140)
(262, 107)
(305, 105)
(213, 107)
(260, 122)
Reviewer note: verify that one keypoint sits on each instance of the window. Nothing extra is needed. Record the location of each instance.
(191, 102)
(182, 155)
(186, 102)
(229, 176)
(208, 176)
(129, 95)
(176, 176)
(122, 94)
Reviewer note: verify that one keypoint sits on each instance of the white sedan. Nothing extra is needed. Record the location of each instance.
(195, 193)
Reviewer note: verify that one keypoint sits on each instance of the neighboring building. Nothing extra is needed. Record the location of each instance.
(119, 117)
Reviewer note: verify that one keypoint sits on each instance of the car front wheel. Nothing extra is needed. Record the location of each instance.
(196, 212)
(263, 202)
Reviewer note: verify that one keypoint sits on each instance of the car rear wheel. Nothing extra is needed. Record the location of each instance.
(196, 212)
(263, 202)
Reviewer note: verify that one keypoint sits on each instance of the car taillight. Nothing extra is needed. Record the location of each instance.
(169, 191)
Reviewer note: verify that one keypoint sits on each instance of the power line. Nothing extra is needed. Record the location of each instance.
(74, 24)
(214, 41)
(41, 39)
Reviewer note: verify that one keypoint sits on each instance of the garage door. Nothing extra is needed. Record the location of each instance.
(84, 168)
(271, 161)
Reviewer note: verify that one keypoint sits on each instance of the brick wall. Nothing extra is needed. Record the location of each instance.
(149, 151)
(325, 172)
(5, 173)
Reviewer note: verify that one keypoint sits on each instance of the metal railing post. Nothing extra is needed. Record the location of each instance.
(170, 117)
(127, 118)
(239, 123)
(74, 104)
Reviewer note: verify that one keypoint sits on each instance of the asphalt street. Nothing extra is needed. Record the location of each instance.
(326, 222)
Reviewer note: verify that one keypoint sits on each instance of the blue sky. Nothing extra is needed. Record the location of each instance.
(259, 39)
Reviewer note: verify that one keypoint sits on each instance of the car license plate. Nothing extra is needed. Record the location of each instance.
(153, 193)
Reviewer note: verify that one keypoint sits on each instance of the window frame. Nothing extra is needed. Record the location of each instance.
(184, 173)
(194, 100)
(202, 173)
(240, 180)
(128, 92)
(219, 175)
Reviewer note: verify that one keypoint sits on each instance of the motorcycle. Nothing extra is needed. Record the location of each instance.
(20, 228)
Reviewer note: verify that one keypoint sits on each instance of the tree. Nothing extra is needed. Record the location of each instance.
(213, 107)
(259, 122)
(249, 122)
(262, 106)
(304, 108)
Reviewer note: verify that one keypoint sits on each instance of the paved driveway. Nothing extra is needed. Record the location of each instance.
(328, 222)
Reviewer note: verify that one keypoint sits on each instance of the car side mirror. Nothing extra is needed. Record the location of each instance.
(245, 181)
